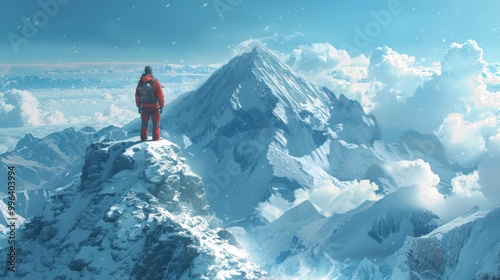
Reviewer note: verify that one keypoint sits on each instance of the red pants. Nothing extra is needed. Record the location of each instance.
(154, 114)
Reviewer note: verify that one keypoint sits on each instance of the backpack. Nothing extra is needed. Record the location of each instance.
(146, 92)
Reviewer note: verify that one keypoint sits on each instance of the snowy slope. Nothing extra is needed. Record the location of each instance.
(268, 243)
(395, 239)
(135, 212)
(255, 126)
(465, 248)
(369, 233)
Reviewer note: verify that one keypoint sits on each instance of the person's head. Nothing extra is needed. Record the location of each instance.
(148, 70)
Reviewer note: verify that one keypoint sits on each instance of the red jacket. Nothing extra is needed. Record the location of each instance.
(157, 89)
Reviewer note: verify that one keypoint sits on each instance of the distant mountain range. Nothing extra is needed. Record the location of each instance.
(103, 78)
(30, 82)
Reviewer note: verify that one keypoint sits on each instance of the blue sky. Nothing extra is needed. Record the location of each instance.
(204, 31)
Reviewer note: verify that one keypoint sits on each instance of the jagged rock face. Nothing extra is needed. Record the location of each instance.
(421, 221)
(92, 171)
(176, 184)
(169, 254)
(167, 179)
(136, 212)
(465, 248)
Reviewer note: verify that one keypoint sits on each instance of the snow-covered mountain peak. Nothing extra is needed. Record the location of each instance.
(28, 138)
(264, 59)
(254, 120)
(256, 83)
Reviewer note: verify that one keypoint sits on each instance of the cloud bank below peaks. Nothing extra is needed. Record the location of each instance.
(19, 108)
(466, 190)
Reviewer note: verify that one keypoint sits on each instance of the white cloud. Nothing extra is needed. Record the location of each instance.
(466, 190)
(493, 142)
(398, 73)
(8, 139)
(466, 193)
(417, 173)
(274, 207)
(318, 58)
(394, 78)
(55, 117)
(108, 96)
(463, 60)
(5, 107)
(329, 198)
(464, 141)
(483, 98)
(412, 173)
(26, 107)
(19, 108)
(458, 88)
(466, 185)
(115, 115)
(327, 66)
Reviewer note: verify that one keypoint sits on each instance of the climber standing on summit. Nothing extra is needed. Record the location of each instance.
(150, 100)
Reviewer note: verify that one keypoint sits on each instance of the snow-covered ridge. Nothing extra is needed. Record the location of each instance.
(466, 248)
(43, 165)
(39, 161)
(379, 228)
(136, 212)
